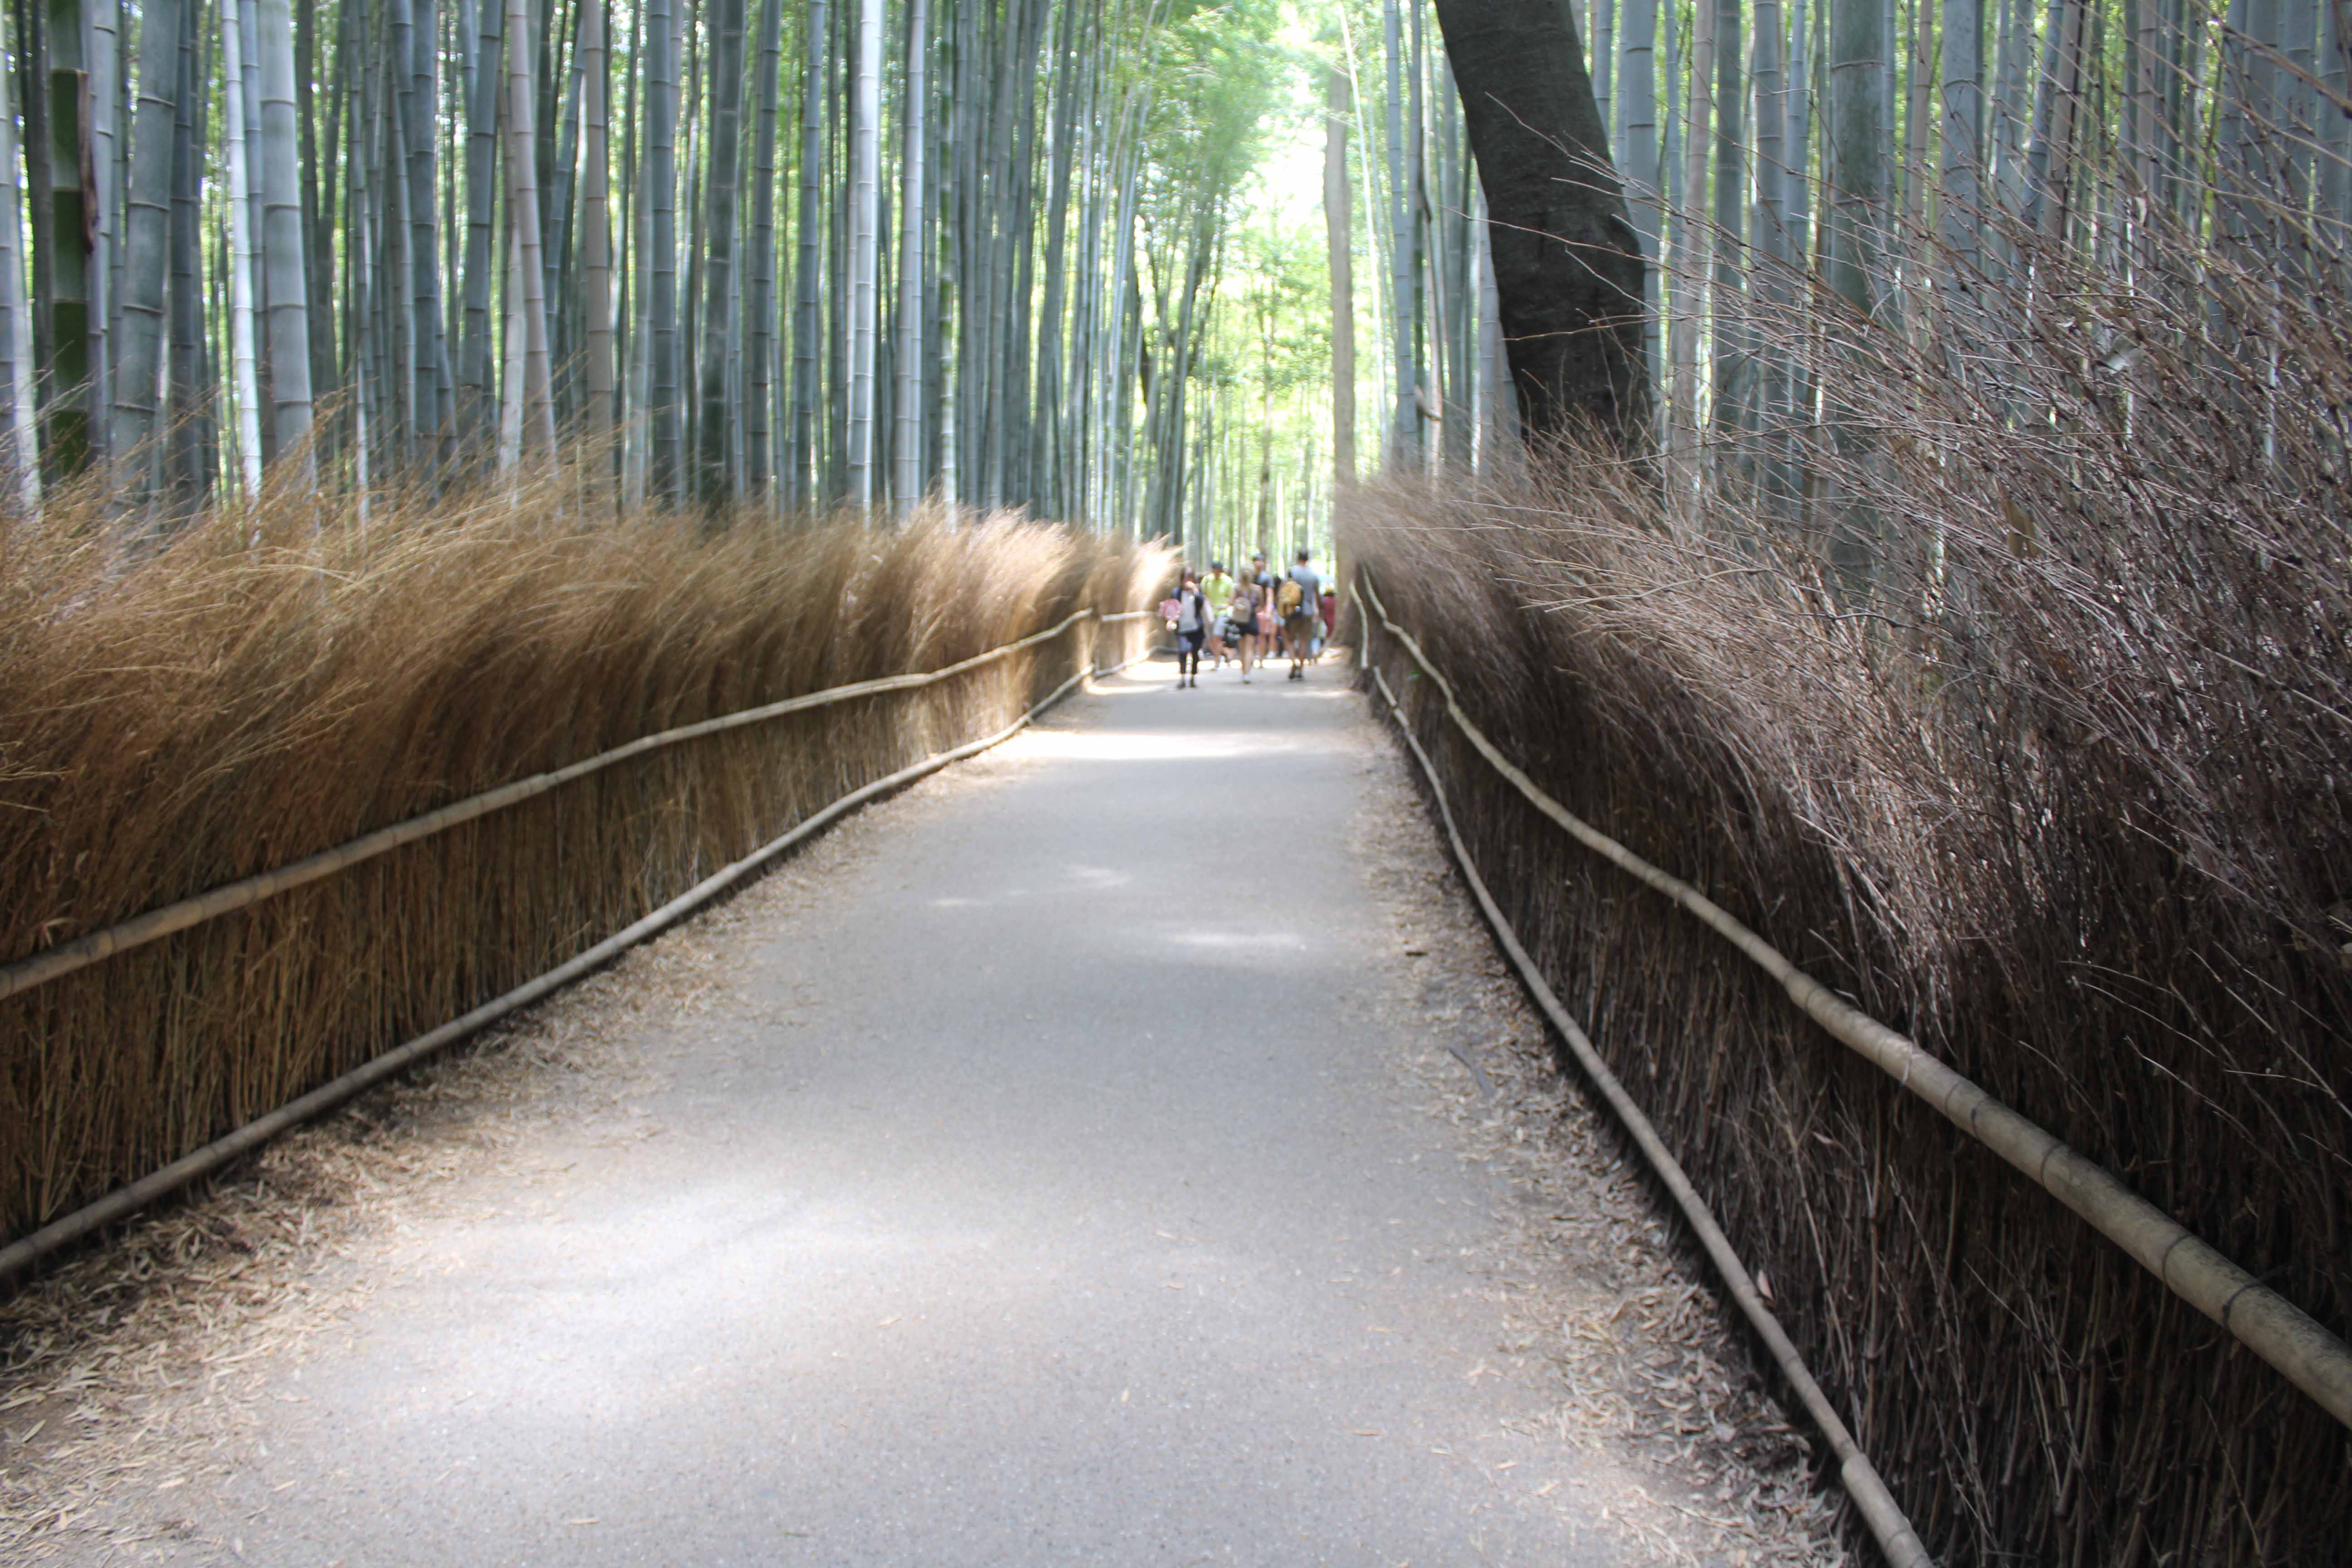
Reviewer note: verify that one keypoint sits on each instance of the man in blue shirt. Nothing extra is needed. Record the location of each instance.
(1301, 620)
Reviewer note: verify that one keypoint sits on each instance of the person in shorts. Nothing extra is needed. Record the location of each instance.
(1305, 620)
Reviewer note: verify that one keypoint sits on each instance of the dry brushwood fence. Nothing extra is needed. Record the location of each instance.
(2025, 1386)
(2004, 682)
(2120, 929)
(260, 691)
(1970, 621)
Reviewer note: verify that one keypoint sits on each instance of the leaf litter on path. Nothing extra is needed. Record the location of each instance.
(1598, 1284)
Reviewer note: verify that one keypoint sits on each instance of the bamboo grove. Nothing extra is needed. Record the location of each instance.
(1946, 173)
(1916, 162)
(803, 252)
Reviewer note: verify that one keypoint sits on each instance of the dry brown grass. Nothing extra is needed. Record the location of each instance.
(260, 688)
(2058, 784)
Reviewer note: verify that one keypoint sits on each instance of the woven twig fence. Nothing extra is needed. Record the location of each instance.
(2058, 1410)
(261, 1002)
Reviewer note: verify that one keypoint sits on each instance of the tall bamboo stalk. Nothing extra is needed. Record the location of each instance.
(595, 216)
(864, 209)
(1405, 421)
(22, 466)
(661, 265)
(1683, 476)
(907, 483)
(538, 422)
(1338, 233)
(243, 263)
(760, 301)
(286, 266)
(138, 372)
(718, 249)
(807, 326)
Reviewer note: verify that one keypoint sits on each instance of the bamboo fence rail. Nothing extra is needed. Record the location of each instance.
(139, 930)
(1888, 1525)
(2298, 1346)
(26, 1250)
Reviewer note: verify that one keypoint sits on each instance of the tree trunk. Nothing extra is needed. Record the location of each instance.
(596, 221)
(23, 465)
(242, 260)
(318, 205)
(1568, 264)
(807, 324)
(907, 486)
(66, 232)
(760, 301)
(1682, 477)
(719, 248)
(190, 444)
(1960, 217)
(865, 217)
(1404, 415)
(538, 424)
(1767, 272)
(661, 249)
(286, 268)
(1860, 135)
(486, 21)
(1730, 356)
(1637, 96)
(413, 23)
(1338, 237)
(1046, 427)
(1498, 414)
(2335, 194)
(103, 39)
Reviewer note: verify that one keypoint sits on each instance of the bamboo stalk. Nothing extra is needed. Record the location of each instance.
(242, 260)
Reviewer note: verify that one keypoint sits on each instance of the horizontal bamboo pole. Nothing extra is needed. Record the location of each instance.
(29, 1249)
(155, 924)
(2264, 1321)
(1883, 1516)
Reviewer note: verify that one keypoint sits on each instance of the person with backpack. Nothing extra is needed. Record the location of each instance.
(1269, 618)
(1190, 622)
(1299, 600)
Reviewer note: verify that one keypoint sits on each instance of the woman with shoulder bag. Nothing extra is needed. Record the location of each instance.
(1191, 625)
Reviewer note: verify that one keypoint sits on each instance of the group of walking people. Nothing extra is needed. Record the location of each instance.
(1256, 618)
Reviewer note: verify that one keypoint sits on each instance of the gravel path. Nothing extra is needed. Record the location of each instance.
(1122, 1149)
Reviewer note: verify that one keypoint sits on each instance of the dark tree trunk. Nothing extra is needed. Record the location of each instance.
(1568, 266)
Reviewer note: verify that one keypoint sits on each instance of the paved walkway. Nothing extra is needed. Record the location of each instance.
(1041, 1202)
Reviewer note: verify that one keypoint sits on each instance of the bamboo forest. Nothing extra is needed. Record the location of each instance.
(1133, 781)
(1028, 253)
